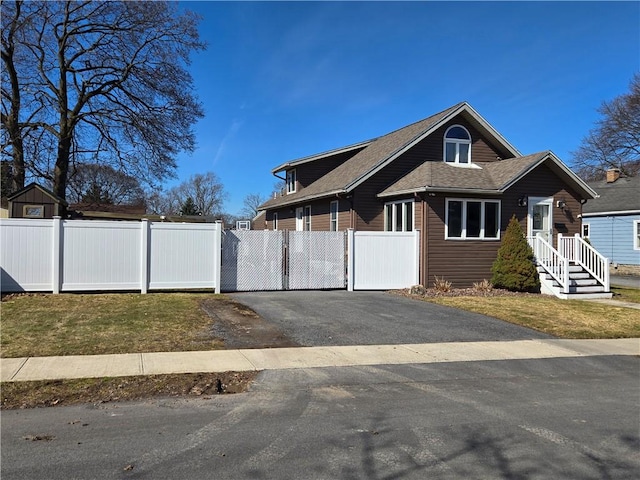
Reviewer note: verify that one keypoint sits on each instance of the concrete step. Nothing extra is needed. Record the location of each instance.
(586, 282)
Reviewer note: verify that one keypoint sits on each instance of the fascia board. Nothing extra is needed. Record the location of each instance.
(462, 108)
(556, 161)
(320, 156)
(609, 214)
(304, 199)
(487, 126)
(439, 190)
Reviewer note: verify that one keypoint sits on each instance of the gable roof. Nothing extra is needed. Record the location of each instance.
(621, 196)
(379, 152)
(489, 178)
(44, 190)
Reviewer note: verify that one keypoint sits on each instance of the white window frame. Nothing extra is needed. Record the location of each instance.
(463, 234)
(392, 227)
(291, 181)
(275, 220)
(588, 229)
(333, 216)
(636, 234)
(306, 216)
(299, 219)
(457, 142)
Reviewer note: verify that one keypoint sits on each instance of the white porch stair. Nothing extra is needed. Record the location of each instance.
(574, 271)
(582, 285)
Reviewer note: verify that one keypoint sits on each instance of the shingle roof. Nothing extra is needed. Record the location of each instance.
(490, 177)
(376, 153)
(619, 196)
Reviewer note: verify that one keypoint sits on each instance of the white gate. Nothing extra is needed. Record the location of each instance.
(383, 260)
(254, 260)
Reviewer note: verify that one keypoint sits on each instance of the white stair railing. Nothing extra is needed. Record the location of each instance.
(551, 261)
(580, 252)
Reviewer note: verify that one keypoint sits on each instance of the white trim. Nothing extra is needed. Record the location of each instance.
(463, 233)
(291, 181)
(457, 142)
(404, 216)
(636, 234)
(299, 219)
(337, 206)
(306, 218)
(608, 214)
(464, 107)
(319, 156)
(588, 225)
(531, 202)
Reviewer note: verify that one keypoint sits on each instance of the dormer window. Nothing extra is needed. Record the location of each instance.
(291, 181)
(457, 146)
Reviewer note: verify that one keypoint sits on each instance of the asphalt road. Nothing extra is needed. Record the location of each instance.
(338, 317)
(529, 419)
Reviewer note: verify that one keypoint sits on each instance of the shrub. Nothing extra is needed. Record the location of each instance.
(514, 268)
(441, 285)
(484, 286)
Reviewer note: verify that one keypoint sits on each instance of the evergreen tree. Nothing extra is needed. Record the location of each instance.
(189, 207)
(514, 268)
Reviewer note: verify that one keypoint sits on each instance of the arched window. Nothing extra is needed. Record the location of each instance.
(457, 145)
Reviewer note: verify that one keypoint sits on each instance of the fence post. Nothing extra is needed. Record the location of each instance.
(57, 255)
(417, 251)
(217, 248)
(561, 248)
(144, 255)
(350, 259)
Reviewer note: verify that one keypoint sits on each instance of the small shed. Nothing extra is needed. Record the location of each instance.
(35, 201)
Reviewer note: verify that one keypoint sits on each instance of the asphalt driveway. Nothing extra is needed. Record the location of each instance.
(338, 317)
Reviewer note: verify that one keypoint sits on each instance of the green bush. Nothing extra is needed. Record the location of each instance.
(514, 268)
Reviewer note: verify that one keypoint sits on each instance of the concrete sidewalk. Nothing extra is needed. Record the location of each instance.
(89, 366)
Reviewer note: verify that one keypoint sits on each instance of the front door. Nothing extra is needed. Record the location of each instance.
(539, 220)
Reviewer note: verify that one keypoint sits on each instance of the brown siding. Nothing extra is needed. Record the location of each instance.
(370, 208)
(464, 262)
(320, 215)
(307, 173)
(33, 196)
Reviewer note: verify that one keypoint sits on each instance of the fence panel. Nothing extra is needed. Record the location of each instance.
(26, 255)
(101, 255)
(316, 260)
(183, 255)
(252, 260)
(384, 260)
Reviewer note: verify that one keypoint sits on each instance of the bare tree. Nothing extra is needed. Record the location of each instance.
(251, 203)
(204, 189)
(91, 183)
(615, 140)
(102, 82)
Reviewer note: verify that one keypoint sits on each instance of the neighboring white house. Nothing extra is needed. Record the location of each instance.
(611, 222)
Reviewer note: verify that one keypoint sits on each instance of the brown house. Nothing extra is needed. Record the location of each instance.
(452, 176)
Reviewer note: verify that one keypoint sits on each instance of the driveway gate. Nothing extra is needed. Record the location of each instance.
(254, 260)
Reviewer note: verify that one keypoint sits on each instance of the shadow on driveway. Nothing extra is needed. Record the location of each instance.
(338, 317)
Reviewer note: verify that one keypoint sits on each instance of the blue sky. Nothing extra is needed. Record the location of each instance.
(283, 80)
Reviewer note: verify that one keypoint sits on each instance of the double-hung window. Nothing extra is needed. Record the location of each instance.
(636, 234)
(333, 216)
(472, 219)
(275, 220)
(398, 216)
(457, 146)
(585, 230)
(291, 181)
(307, 218)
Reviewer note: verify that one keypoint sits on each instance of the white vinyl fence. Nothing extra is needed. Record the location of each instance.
(84, 255)
(383, 260)
(79, 255)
